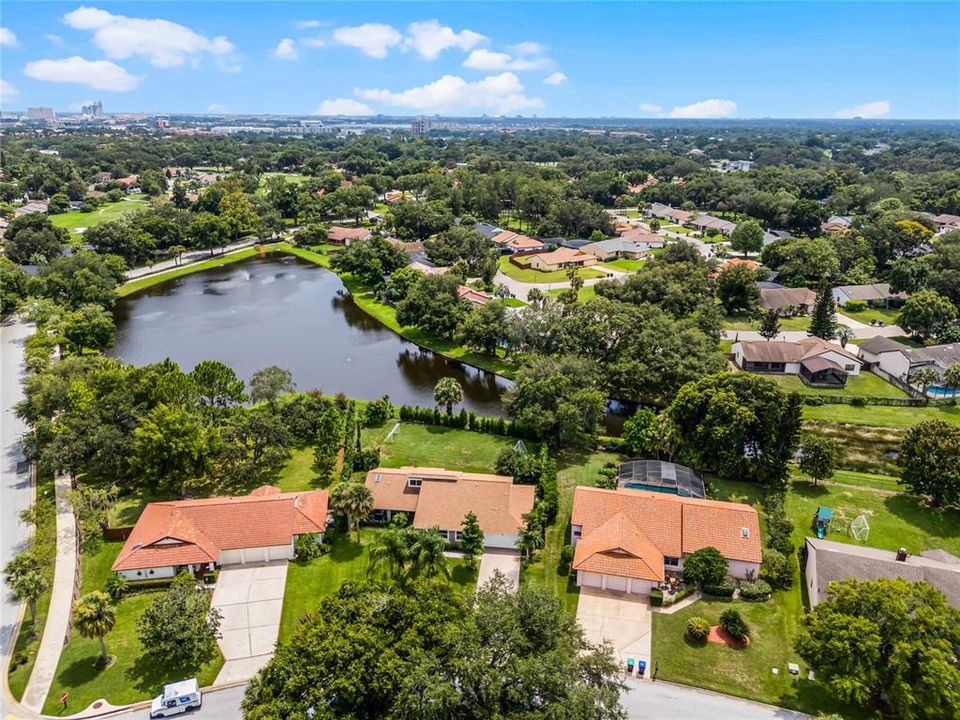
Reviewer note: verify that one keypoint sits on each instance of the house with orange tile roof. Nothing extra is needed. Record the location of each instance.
(474, 297)
(199, 535)
(631, 540)
(344, 236)
(439, 498)
(515, 242)
(562, 258)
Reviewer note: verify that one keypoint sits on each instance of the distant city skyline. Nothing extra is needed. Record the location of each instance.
(679, 60)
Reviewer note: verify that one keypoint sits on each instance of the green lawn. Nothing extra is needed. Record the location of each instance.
(746, 322)
(105, 213)
(880, 415)
(586, 293)
(573, 469)
(744, 672)
(514, 302)
(535, 276)
(896, 520)
(295, 178)
(44, 545)
(308, 583)
(884, 315)
(624, 264)
(866, 384)
(679, 229)
(133, 676)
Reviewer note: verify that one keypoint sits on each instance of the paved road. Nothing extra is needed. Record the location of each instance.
(187, 258)
(15, 487)
(644, 701)
(659, 700)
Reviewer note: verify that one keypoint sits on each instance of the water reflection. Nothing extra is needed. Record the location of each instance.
(287, 312)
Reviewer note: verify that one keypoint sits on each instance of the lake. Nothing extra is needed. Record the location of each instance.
(284, 311)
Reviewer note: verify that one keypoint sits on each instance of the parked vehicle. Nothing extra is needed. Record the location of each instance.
(179, 697)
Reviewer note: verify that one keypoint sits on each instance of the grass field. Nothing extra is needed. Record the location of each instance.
(865, 384)
(295, 178)
(880, 415)
(745, 322)
(573, 469)
(624, 264)
(535, 276)
(586, 293)
(133, 675)
(308, 583)
(44, 546)
(888, 317)
(111, 211)
(678, 229)
(145, 282)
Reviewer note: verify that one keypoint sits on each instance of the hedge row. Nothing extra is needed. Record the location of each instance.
(465, 421)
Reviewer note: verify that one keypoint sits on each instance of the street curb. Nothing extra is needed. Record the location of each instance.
(141, 705)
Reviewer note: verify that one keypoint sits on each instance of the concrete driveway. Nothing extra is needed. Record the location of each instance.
(506, 561)
(250, 597)
(623, 619)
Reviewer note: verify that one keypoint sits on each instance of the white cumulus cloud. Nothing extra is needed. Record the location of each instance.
(163, 43)
(308, 24)
(528, 48)
(503, 93)
(650, 108)
(712, 108)
(483, 59)
(7, 37)
(54, 39)
(556, 78)
(313, 42)
(215, 107)
(429, 38)
(7, 92)
(97, 74)
(286, 49)
(875, 109)
(343, 106)
(373, 39)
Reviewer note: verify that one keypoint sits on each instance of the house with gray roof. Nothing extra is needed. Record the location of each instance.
(901, 361)
(616, 248)
(875, 295)
(828, 561)
(788, 301)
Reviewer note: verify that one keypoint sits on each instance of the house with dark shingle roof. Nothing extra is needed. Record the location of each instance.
(875, 295)
(828, 561)
(631, 540)
(816, 361)
(199, 535)
(787, 300)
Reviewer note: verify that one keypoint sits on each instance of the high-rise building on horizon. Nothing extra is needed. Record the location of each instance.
(93, 110)
(41, 113)
(420, 126)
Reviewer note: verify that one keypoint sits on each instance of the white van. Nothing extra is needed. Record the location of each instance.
(178, 697)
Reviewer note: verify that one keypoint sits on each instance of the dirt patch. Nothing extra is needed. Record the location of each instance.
(722, 637)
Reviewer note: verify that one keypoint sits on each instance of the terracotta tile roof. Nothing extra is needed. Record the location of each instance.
(341, 234)
(674, 525)
(474, 297)
(503, 236)
(445, 496)
(565, 255)
(168, 532)
(523, 242)
(618, 548)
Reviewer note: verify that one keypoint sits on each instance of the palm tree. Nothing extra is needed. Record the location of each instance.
(427, 557)
(24, 576)
(448, 393)
(176, 252)
(925, 377)
(845, 334)
(951, 378)
(94, 617)
(390, 553)
(354, 500)
(529, 538)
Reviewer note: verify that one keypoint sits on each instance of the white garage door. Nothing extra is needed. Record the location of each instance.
(255, 555)
(590, 579)
(615, 582)
(280, 552)
(231, 557)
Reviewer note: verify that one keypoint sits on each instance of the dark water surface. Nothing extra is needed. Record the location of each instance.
(288, 312)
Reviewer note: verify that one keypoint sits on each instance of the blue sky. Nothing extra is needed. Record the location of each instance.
(672, 59)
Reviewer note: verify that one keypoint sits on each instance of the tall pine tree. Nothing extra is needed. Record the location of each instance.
(823, 324)
(770, 324)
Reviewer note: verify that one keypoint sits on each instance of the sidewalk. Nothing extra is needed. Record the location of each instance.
(61, 602)
(187, 258)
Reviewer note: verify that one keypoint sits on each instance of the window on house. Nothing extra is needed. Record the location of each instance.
(849, 367)
(744, 532)
(671, 561)
(414, 482)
